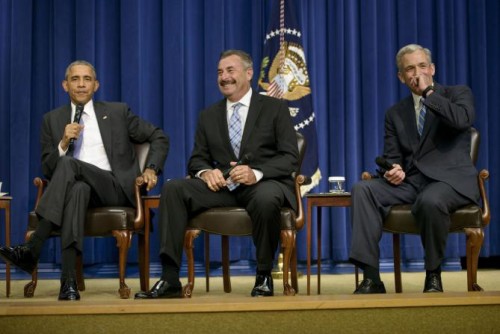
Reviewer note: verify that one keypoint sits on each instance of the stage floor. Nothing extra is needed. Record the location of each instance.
(335, 310)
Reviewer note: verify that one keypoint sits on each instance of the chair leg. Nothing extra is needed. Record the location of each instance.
(207, 261)
(225, 264)
(123, 241)
(29, 289)
(475, 237)
(397, 262)
(189, 236)
(287, 242)
(293, 269)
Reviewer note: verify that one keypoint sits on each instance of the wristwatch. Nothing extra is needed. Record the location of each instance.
(425, 91)
(154, 167)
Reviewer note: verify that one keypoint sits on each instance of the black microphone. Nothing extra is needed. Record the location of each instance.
(382, 163)
(243, 161)
(78, 116)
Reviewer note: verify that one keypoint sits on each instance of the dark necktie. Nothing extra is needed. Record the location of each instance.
(421, 117)
(78, 143)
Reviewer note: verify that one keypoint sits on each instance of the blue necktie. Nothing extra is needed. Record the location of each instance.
(421, 118)
(235, 132)
(235, 129)
(79, 142)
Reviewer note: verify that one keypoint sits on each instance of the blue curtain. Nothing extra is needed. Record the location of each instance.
(161, 56)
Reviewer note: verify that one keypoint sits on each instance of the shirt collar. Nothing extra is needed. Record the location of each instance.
(245, 100)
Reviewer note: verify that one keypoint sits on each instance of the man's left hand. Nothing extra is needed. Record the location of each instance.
(242, 174)
(150, 178)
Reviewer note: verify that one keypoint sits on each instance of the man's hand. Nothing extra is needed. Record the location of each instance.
(214, 179)
(422, 81)
(242, 174)
(396, 175)
(150, 178)
(72, 130)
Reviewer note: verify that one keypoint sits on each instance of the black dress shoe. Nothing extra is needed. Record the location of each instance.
(19, 256)
(369, 286)
(69, 290)
(433, 283)
(263, 286)
(161, 289)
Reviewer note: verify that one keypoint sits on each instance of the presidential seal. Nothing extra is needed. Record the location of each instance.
(291, 81)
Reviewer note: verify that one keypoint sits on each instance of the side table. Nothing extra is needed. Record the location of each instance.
(320, 200)
(5, 204)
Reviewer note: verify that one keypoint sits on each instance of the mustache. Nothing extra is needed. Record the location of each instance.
(227, 82)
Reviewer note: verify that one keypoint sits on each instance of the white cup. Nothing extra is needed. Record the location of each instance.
(336, 184)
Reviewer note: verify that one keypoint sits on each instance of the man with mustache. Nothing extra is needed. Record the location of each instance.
(89, 165)
(242, 123)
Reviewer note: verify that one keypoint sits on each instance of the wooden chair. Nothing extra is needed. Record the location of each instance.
(119, 222)
(470, 219)
(235, 221)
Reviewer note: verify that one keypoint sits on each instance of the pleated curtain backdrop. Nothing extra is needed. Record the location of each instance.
(160, 57)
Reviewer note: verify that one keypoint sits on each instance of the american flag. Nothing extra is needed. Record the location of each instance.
(284, 75)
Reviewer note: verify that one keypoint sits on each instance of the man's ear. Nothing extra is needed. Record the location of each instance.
(65, 85)
(400, 77)
(96, 87)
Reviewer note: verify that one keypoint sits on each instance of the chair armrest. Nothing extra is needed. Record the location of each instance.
(482, 177)
(139, 191)
(40, 184)
(300, 180)
(368, 176)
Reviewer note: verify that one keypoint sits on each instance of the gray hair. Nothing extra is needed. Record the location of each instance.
(80, 62)
(410, 48)
(246, 59)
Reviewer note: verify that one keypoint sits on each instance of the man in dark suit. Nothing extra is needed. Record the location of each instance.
(427, 145)
(262, 185)
(89, 163)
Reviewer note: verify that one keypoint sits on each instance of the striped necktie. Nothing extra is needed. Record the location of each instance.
(235, 129)
(421, 117)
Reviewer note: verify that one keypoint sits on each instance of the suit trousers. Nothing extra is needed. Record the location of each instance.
(433, 202)
(183, 199)
(74, 187)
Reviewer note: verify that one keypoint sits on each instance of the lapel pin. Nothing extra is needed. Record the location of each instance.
(105, 117)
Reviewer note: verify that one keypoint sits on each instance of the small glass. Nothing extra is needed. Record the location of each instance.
(336, 184)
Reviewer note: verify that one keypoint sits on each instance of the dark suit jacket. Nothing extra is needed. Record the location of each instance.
(443, 152)
(120, 130)
(268, 135)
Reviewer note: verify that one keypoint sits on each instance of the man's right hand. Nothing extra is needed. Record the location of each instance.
(72, 130)
(396, 175)
(214, 179)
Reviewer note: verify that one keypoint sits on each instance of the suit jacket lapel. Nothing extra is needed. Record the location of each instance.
(103, 120)
(410, 122)
(253, 114)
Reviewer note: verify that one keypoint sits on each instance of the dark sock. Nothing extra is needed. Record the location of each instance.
(170, 271)
(68, 263)
(38, 237)
(371, 273)
(435, 271)
(264, 272)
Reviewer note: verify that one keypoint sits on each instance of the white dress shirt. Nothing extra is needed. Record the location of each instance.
(92, 151)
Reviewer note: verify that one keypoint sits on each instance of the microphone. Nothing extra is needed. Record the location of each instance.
(244, 160)
(382, 163)
(78, 116)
